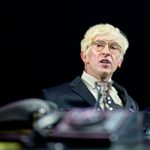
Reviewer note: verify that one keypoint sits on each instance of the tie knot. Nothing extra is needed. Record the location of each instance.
(103, 86)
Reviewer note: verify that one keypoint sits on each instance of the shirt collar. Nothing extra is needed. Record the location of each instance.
(89, 80)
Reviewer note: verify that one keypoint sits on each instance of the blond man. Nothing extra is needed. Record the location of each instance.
(102, 51)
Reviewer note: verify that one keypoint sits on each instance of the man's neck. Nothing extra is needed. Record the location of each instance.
(100, 77)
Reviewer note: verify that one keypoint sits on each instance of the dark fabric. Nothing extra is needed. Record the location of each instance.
(76, 95)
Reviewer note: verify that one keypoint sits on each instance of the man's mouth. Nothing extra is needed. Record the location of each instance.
(105, 61)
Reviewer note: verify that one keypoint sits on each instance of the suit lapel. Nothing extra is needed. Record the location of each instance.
(121, 93)
(80, 88)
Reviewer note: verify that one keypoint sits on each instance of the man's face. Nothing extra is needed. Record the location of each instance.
(103, 57)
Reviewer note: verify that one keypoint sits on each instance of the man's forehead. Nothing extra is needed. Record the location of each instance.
(106, 38)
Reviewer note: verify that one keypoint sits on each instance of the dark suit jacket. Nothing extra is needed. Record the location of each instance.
(76, 95)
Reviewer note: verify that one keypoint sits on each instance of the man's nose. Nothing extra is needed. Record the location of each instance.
(106, 49)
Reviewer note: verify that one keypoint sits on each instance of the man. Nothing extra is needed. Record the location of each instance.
(102, 51)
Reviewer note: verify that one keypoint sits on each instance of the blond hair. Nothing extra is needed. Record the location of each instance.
(109, 32)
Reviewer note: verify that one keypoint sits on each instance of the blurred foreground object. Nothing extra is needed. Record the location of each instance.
(91, 128)
(17, 118)
(34, 123)
(146, 123)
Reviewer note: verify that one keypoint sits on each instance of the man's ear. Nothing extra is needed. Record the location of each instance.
(120, 63)
(83, 56)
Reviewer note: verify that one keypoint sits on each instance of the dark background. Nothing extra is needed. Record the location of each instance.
(40, 44)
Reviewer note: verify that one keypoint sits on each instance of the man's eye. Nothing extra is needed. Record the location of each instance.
(114, 47)
(100, 45)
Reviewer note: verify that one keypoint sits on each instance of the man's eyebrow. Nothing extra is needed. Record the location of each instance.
(114, 42)
(98, 41)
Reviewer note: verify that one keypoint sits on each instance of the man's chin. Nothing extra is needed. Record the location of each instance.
(105, 75)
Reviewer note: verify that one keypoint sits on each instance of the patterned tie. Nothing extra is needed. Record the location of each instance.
(104, 100)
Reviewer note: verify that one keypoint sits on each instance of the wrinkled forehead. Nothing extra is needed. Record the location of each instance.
(107, 38)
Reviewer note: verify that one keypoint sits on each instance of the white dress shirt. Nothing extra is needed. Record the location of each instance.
(90, 83)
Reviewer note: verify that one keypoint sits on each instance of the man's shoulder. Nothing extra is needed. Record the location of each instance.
(60, 86)
(64, 86)
(118, 86)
